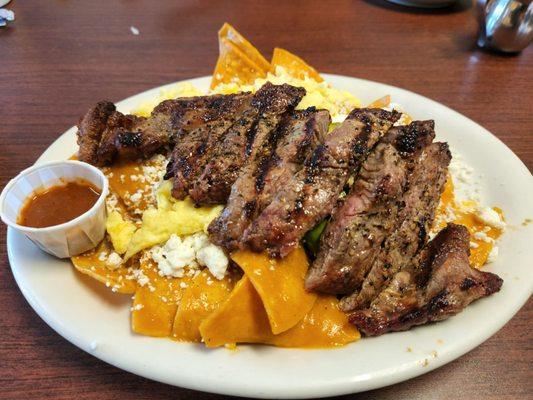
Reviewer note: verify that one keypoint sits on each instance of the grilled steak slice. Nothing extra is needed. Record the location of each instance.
(439, 287)
(121, 138)
(90, 130)
(243, 140)
(104, 133)
(426, 184)
(310, 195)
(199, 132)
(277, 160)
(352, 240)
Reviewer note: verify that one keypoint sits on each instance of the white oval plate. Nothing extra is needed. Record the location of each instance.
(97, 321)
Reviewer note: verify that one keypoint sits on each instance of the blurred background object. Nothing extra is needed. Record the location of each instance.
(424, 3)
(4, 2)
(505, 25)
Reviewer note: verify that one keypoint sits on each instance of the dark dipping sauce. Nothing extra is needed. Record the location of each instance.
(58, 204)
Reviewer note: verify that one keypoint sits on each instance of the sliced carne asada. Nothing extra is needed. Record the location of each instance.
(90, 130)
(243, 140)
(197, 137)
(421, 199)
(105, 134)
(441, 285)
(310, 195)
(359, 225)
(276, 161)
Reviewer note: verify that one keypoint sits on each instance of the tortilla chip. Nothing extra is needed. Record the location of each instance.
(230, 33)
(324, 326)
(280, 284)
(234, 65)
(382, 102)
(294, 65)
(156, 300)
(133, 181)
(92, 264)
(243, 319)
(202, 297)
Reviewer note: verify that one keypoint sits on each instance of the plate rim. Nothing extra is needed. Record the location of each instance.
(388, 377)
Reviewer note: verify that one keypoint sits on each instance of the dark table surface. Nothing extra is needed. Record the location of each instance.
(60, 57)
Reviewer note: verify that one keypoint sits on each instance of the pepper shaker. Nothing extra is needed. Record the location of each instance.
(505, 25)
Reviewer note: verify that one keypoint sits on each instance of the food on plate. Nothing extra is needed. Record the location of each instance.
(294, 65)
(369, 212)
(105, 265)
(58, 204)
(278, 283)
(243, 141)
(278, 159)
(312, 192)
(413, 224)
(439, 284)
(275, 209)
(239, 61)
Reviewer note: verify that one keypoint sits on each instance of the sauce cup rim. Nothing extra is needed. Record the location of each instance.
(50, 229)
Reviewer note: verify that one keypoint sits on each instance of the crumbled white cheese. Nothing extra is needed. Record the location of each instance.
(137, 307)
(214, 259)
(466, 181)
(493, 255)
(483, 236)
(140, 277)
(490, 217)
(113, 260)
(111, 202)
(193, 251)
(136, 197)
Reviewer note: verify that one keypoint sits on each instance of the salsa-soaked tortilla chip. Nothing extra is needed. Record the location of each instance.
(324, 326)
(382, 102)
(294, 65)
(280, 284)
(234, 65)
(230, 33)
(482, 236)
(156, 300)
(242, 319)
(203, 296)
(133, 181)
(97, 265)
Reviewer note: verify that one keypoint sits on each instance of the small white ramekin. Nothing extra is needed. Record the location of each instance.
(70, 238)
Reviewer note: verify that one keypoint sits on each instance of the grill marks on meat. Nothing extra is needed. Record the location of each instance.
(426, 184)
(439, 286)
(243, 140)
(90, 130)
(274, 163)
(359, 225)
(311, 193)
(198, 135)
(104, 133)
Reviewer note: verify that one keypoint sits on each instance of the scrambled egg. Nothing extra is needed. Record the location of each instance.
(171, 216)
(120, 231)
(319, 94)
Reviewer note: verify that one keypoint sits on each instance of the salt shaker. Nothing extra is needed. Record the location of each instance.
(505, 25)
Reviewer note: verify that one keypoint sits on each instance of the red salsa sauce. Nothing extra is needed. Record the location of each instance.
(58, 204)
